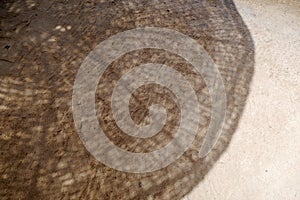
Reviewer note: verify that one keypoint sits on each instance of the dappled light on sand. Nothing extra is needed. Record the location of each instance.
(43, 44)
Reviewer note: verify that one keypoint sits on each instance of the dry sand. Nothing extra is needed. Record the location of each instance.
(263, 159)
(42, 157)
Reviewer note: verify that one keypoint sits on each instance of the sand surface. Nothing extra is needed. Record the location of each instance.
(263, 159)
(43, 44)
